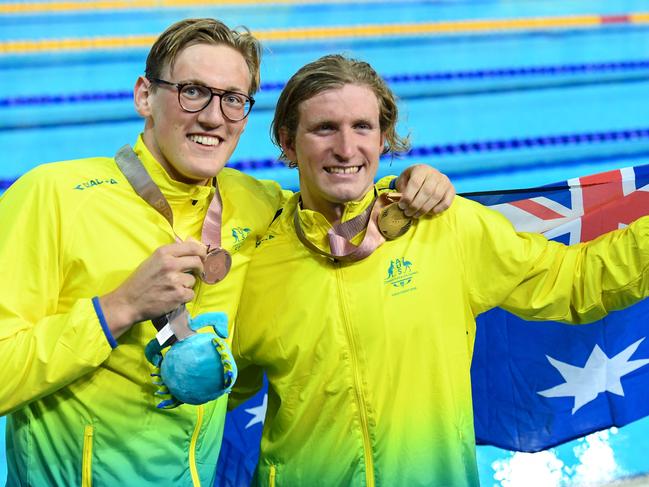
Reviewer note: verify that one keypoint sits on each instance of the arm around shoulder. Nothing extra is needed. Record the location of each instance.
(276, 193)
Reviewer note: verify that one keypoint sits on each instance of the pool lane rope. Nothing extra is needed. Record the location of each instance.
(445, 28)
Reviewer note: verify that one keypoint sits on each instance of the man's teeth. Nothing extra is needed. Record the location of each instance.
(343, 170)
(204, 140)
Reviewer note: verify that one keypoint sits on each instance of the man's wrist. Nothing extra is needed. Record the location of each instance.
(117, 316)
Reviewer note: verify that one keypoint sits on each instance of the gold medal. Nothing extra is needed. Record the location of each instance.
(216, 266)
(392, 222)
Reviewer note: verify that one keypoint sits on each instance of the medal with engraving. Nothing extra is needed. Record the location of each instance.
(216, 266)
(392, 221)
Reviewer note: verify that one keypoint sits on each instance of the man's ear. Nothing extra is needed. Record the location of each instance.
(288, 144)
(142, 96)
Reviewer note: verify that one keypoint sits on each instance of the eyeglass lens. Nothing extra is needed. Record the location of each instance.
(234, 106)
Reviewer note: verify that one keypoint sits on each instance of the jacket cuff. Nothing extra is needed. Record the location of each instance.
(102, 322)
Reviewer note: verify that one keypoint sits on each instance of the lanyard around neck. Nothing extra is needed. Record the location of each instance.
(218, 261)
(381, 219)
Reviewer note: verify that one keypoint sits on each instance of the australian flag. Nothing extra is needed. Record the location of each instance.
(539, 384)
(535, 384)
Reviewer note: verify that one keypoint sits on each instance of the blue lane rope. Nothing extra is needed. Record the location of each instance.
(464, 148)
(65, 99)
(496, 145)
(443, 76)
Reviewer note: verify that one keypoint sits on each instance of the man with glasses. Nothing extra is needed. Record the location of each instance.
(93, 249)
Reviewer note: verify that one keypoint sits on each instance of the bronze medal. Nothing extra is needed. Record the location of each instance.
(216, 266)
(392, 222)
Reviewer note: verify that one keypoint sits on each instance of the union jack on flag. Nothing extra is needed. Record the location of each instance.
(579, 209)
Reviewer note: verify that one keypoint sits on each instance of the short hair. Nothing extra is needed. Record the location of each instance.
(189, 32)
(331, 72)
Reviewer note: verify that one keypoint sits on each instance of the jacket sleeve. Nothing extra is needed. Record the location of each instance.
(582, 283)
(250, 378)
(46, 341)
(275, 192)
(538, 279)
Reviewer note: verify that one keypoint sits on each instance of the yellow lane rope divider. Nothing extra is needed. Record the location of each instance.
(346, 31)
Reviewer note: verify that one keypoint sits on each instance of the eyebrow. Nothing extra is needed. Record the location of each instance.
(193, 81)
(321, 121)
(365, 121)
(327, 121)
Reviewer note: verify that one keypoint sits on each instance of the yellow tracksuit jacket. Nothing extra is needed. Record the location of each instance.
(368, 363)
(80, 412)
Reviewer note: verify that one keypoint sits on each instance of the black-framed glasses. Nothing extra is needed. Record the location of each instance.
(193, 98)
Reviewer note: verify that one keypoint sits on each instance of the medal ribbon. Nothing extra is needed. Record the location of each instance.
(340, 234)
(134, 171)
(173, 326)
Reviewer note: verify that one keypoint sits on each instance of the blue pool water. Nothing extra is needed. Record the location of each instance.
(458, 92)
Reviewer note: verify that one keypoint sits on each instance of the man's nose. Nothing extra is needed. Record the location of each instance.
(344, 145)
(211, 115)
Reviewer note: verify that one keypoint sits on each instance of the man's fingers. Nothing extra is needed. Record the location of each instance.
(418, 193)
(427, 197)
(186, 280)
(190, 264)
(187, 248)
(434, 197)
(445, 203)
(186, 295)
(425, 207)
(436, 204)
(411, 190)
(424, 190)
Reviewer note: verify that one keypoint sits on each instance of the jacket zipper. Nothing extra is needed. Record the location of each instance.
(271, 476)
(86, 462)
(192, 447)
(362, 408)
(200, 410)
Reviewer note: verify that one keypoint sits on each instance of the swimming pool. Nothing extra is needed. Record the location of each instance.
(498, 94)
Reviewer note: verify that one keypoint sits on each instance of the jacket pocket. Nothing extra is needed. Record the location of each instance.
(86, 463)
(271, 476)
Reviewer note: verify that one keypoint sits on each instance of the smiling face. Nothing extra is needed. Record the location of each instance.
(193, 147)
(337, 145)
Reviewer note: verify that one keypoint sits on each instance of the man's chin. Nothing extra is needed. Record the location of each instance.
(348, 196)
(353, 193)
(197, 177)
(206, 167)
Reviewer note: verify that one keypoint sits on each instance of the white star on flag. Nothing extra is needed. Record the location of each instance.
(258, 413)
(600, 374)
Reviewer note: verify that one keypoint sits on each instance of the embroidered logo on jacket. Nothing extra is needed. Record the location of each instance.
(91, 183)
(240, 235)
(400, 276)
